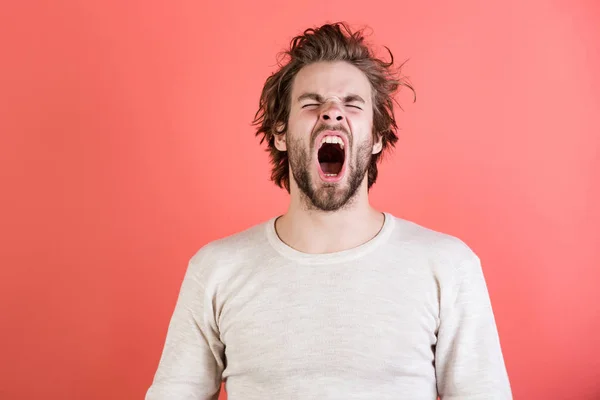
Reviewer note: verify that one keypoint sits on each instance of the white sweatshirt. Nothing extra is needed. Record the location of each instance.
(406, 315)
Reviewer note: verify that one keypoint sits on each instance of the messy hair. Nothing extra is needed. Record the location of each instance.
(330, 42)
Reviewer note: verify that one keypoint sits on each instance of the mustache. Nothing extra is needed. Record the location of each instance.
(322, 128)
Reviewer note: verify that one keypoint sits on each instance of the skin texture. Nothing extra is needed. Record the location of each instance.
(325, 217)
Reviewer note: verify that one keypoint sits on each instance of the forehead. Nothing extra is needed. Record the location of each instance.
(331, 78)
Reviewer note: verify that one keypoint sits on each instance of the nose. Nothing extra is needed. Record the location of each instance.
(332, 112)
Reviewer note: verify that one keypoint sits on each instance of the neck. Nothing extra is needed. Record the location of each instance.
(317, 232)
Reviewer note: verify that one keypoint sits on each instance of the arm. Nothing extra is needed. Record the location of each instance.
(192, 360)
(468, 359)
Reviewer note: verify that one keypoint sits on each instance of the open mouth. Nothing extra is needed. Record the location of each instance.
(331, 156)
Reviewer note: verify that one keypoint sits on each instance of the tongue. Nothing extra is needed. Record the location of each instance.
(331, 167)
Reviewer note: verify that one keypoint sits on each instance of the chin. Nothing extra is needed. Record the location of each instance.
(330, 196)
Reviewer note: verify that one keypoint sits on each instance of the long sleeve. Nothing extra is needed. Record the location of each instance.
(192, 360)
(468, 360)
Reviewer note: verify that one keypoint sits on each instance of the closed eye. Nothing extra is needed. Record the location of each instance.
(309, 105)
(351, 105)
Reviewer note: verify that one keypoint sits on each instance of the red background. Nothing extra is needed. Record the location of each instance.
(126, 145)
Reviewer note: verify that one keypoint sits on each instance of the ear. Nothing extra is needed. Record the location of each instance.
(279, 137)
(377, 145)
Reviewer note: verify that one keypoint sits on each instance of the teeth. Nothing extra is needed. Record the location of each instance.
(330, 174)
(333, 139)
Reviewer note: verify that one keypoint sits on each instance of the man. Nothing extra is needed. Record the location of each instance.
(333, 299)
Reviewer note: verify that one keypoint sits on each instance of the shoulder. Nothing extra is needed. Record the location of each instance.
(229, 252)
(436, 243)
(445, 253)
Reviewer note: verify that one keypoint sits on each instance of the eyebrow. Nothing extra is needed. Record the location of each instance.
(317, 97)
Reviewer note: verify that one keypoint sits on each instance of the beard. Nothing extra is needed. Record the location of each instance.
(329, 196)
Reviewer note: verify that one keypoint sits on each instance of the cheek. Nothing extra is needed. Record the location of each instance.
(300, 129)
(362, 129)
(299, 124)
(297, 148)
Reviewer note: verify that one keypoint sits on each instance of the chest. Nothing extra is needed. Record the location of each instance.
(375, 321)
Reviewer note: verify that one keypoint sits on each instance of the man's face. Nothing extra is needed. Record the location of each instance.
(329, 138)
